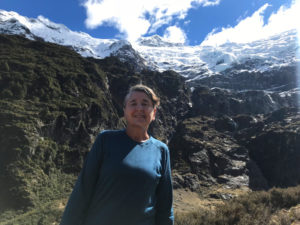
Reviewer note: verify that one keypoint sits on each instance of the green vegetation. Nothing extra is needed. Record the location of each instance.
(53, 102)
(47, 72)
(260, 207)
(49, 213)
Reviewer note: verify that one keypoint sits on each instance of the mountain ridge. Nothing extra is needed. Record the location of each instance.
(87, 46)
(192, 62)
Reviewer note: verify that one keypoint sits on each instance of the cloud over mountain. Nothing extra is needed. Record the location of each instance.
(134, 18)
(253, 27)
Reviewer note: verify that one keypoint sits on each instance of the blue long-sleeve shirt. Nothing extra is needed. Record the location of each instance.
(122, 182)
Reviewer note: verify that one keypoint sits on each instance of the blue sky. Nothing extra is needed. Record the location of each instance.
(188, 21)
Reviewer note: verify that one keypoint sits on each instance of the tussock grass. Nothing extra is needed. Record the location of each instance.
(276, 206)
(45, 214)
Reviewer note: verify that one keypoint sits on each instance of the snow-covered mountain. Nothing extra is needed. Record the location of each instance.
(196, 62)
(42, 28)
(192, 62)
(87, 46)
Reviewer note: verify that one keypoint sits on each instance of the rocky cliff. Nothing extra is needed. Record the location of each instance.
(54, 102)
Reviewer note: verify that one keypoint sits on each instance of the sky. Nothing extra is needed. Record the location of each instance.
(192, 22)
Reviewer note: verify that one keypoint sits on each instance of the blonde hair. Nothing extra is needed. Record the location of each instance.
(145, 89)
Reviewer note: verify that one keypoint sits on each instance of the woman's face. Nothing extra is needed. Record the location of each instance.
(139, 110)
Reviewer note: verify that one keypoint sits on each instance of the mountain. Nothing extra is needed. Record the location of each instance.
(192, 62)
(195, 62)
(231, 130)
(87, 46)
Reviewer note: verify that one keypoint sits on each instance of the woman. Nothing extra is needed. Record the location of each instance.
(126, 179)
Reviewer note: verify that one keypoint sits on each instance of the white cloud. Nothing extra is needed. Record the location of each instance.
(135, 18)
(175, 34)
(253, 28)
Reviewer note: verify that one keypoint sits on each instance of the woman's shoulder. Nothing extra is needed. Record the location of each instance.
(159, 144)
(111, 133)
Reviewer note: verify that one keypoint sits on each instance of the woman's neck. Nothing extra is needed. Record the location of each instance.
(138, 135)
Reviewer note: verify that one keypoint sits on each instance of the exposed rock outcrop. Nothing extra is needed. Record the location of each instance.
(260, 151)
(218, 101)
(282, 79)
(274, 145)
(54, 102)
(211, 156)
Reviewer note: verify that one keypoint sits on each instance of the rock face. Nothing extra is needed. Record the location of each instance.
(126, 54)
(204, 148)
(54, 102)
(227, 133)
(255, 151)
(274, 144)
(281, 79)
(219, 101)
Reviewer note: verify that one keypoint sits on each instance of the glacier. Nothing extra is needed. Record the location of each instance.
(192, 62)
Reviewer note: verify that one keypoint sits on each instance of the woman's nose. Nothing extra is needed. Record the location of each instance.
(139, 106)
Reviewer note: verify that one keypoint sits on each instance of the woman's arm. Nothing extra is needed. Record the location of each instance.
(83, 191)
(164, 193)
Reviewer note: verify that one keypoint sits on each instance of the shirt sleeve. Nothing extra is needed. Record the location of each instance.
(83, 191)
(164, 193)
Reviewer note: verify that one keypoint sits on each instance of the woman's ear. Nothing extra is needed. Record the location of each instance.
(154, 113)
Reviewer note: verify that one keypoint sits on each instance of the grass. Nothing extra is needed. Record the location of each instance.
(273, 207)
(276, 206)
(47, 194)
(46, 214)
